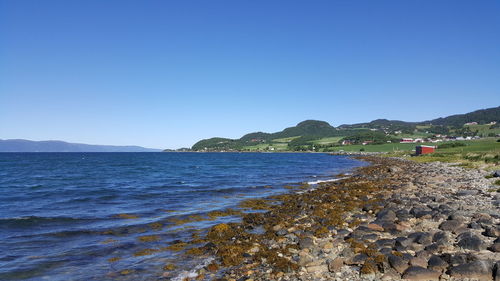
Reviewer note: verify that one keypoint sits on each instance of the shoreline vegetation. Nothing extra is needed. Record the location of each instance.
(379, 135)
(390, 220)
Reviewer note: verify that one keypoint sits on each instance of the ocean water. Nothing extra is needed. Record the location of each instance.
(80, 216)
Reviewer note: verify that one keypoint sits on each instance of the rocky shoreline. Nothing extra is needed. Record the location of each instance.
(393, 220)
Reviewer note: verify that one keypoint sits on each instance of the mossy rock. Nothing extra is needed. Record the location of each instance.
(213, 267)
(169, 267)
(114, 259)
(321, 232)
(145, 252)
(179, 246)
(126, 216)
(256, 204)
(194, 252)
(220, 231)
(156, 226)
(149, 238)
(369, 267)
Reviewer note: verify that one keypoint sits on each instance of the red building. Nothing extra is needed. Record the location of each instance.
(424, 149)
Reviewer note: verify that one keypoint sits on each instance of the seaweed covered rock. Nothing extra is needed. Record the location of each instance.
(220, 232)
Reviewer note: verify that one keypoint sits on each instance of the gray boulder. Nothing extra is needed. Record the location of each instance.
(492, 231)
(398, 263)
(437, 264)
(386, 215)
(306, 243)
(496, 271)
(480, 270)
(423, 238)
(495, 248)
(420, 273)
(441, 238)
(471, 241)
(451, 225)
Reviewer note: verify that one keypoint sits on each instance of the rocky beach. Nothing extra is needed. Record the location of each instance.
(393, 220)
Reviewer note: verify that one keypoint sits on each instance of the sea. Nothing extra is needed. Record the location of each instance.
(105, 216)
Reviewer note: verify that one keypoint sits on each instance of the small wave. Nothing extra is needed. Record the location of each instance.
(192, 273)
(322, 181)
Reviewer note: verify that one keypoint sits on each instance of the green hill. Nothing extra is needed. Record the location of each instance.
(482, 116)
(314, 135)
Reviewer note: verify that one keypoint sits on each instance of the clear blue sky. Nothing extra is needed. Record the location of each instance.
(165, 74)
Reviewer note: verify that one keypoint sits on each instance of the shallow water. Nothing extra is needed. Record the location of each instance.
(80, 216)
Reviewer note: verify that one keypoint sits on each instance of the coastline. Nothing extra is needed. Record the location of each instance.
(390, 220)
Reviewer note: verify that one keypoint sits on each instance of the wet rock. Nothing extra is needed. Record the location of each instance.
(209, 247)
(481, 270)
(470, 241)
(496, 174)
(399, 264)
(451, 225)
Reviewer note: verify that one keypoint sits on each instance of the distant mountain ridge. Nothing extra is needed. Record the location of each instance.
(21, 145)
(308, 130)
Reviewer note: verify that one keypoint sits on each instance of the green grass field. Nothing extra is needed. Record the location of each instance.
(285, 140)
(484, 130)
(332, 140)
(474, 152)
(483, 153)
(388, 147)
(266, 146)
